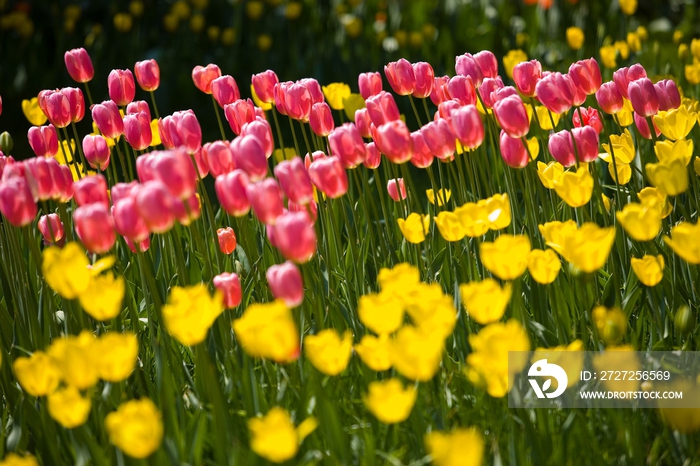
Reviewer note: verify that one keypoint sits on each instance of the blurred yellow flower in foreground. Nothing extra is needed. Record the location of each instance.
(461, 447)
(485, 301)
(190, 312)
(650, 195)
(375, 352)
(642, 222)
(13, 459)
(649, 269)
(102, 299)
(575, 188)
(416, 354)
(76, 358)
(328, 352)
(382, 313)
(474, 219)
(506, 257)
(33, 112)
(136, 428)
(65, 270)
(685, 420)
(618, 358)
(608, 56)
(544, 266)
(274, 436)
(335, 93)
(497, 211)
(399, 279)
(568, 357)
(611, 323)
(38, 374)
(268, 331)
(414, 227)
(677, 123)
(389, 401)
(575, 38)
(670, 176)
(117, 354)
(587, 248)
(450, 226)
(668, 150)
(68, 407)
(488, 366)
(430, 310)
(549, 172)
(512, 58)
(443, 195)
(685, 241)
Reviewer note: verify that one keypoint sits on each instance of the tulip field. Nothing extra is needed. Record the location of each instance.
(338, 275)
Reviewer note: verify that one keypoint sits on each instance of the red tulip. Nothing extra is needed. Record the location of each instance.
(422, 155)
(286, 283)
(372, 156)
(346, 143)
(266, 200)
(43, 140)
(393, 139)
(586, 139)
(467, 126)
(321, 119)
(57, 109)
(512, 116)
(155, 205)
(642, 95)
(51, 228)
(668, 95)
(513, 151)
(91, 190)
(328, 175)
(440, 139)
(264, 85)
(590, 118)
(96, 151)
(147, 74)
(227, 240)
(138, 106)
(76, 103)
(298, 101)
(363, 122)
(108, 119)
(230, 287)
(128, 222)
(462, 89)
(95, 228)
(239, 113)
(121, 86)
(79, 65)
(585, 75)
(425, 79)
(137, 130)
(526, 76)
(295, 236)
(231, 191)
(202, 76)
(624, 76)
(400, 76)
(370, 84)
(249, 155)
(295, 181)
(16, 201)
(556, 92)
(609, 98)
(225, 90)
(218, 157)
(396, 189)
(176, 170)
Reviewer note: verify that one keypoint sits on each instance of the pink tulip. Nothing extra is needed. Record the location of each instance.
(609, 98)
(321, 119)
(266, 200)
(225, 90)
(422, 155)
(556, 92)
(311, 208)
(590, 118)
(57, 109)
(512, 116)
(513, 151)
(176, 170)
(440, 139)
(393, 139)
(5, 161)
(96, 151)
(624, 76)
(63, 180)
(295, 181)
(43, 140)
(401, 76)
(668, 95)
(346, 143)
(297, 102)
(561, 146)
(286, 283)
(370, 84)
(363, 122)
(466, 65)
(79, 65)
(128, 222)
(586, 139)
(295, 236)
(108, 119)
(488, 90)
(189, 132)
(526, 76)
(91, 190)
(40, 177)
(76, 103)
(121, 86)
(147, 74)
(462, 89)
(230, 287)
(372, 156)
(231, 191)
(382, 108)
(51, 228)
(261, 129)
(155, 205)
(643, 126)
(396, 189)
(249, 155)
(315, 155)
(218, 157)
(137, 130)
(446, 108)
(467, 126)
(16, 201)
(585, 75)
(187, 210)
(142, 246)
(239, 113)
(487, 63)
(138, 106)
(425, 78)
(202, 76)
(264, 85)
(280, 93)
(642, 95)
(503, 92)
(314, 90)
(328, 175)
(95, 228)
(439, 93)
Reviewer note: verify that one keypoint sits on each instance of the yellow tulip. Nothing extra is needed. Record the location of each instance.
(102, 299)
(588, 247)
(382, 313)
(33, 112)
(695, 48)
(575, 38)
(416, 354)
(68, 407)
(623, 48)
(622, 145)
(608, 56)
(38, 374)
(190, 312)
(544, 265)
(649, 269)
(328, 352)
(76, 358)
(568, 357)
(274, 436)
(642, 222)
(685, 420)
(575, 188)
(398, 279)
(683, 51)
(432, 311)
(696, 165)
(625, 117)
(506, 257)
(497, 210)
(488, 363)
(642, 33)
(268, 331)
(335, 93)
(533, 148)
(543, 116)
(414, 227)
(389, 401)
(461, 447)
(549, 172)
(155, 140)
(512, 58)
(450, 226)
(623, 174)
(351, 104)
(13, 459)
(474, 218)
(692, 72)
(606, 202)
(136, 428)
(610, 323)
(650, 195)
(677, 123)
(117, 354)
(685, 241)
(618, 358)
(375, 352)
(65, 270)
(670, 176)
(555, 233)
(668, 150)
(485, 301)
(443, 195)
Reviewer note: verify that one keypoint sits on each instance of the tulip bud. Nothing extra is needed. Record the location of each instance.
(227, 240)
(203, 76)
(91, 190)
(556, 92)
(128, 221)
(96, 151)
(328, 175)
(684, 320)
(624, 76)
(466, 65)
(176, 170)
(439, 138)
(147, 74)
(382, 108)
(218, 157)
(137, 130)
(16, 201)
(76, 103)
(108, 119)
(286, 283)
(321, 119)
(43, 140)
(422, 155)
(512, 116)
(668, 95)
(121, 86)
(51, 228)
(401, 77)
(346, 143)
(642, 95)
(230, 286)
(609, 98)
(372, 156)
(155, 205)
(95, 228)
(264, 85)
(249, 156)
(6, 142)
(231, 191)
(462, 89)
(370, 84)
(295, 181)
(79, 65)
(295, 235)
(393, 139)
(526, 76)
(298, 101)
(138, 106)
(396, 189)
(266, 200)
(467, 126)
(58, 109)
(239, 113)
(225, 90)
(425, 79)
(513, 151)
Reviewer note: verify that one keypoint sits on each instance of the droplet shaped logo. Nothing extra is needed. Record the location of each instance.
(542, 368)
